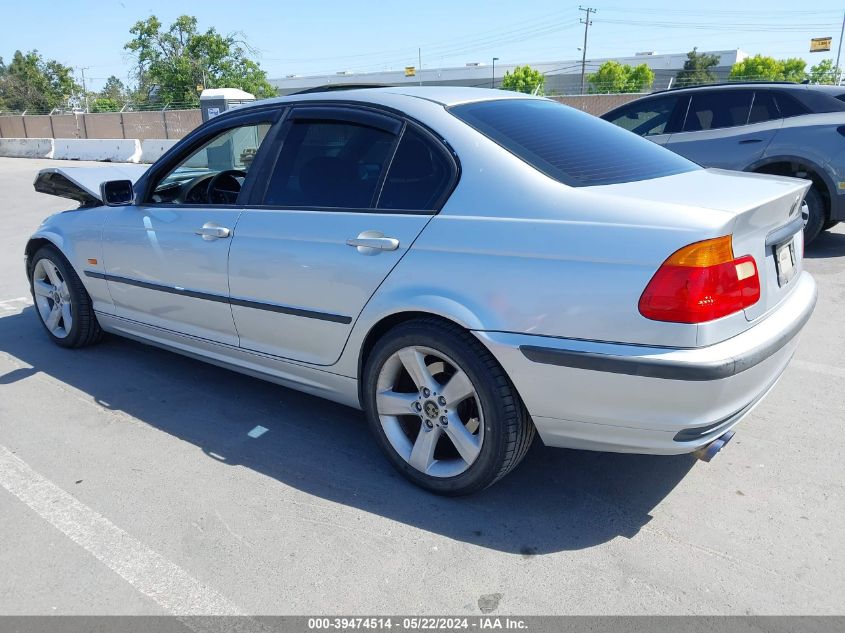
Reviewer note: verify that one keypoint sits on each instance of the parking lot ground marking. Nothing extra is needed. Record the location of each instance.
(13, 306)
(147, 571)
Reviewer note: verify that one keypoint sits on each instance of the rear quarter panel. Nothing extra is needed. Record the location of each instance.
(574, 268)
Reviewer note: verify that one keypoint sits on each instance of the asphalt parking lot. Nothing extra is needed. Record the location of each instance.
(129, 484)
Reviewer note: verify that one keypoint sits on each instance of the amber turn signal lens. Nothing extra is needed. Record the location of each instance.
(702, 254)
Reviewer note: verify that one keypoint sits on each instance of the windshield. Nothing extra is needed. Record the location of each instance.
(571, 146)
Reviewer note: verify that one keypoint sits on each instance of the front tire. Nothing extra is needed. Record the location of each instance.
(61, 301)
(442, 409)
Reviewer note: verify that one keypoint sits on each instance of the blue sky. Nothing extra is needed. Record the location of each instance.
(334, 35)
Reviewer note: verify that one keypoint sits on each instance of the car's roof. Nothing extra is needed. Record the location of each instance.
(443, 95)
(757, 85)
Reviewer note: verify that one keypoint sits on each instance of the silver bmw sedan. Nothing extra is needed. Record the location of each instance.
(470, 267)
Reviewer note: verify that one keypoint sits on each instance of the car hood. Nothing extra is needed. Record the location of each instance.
(83, 183)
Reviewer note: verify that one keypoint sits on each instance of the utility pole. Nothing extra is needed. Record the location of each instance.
(419, 59)
(493, 80)
(84, 88)
(586, 22)
(839, 53)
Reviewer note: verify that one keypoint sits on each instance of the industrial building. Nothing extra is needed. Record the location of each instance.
(562, 77)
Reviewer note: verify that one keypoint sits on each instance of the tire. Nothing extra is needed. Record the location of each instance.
(56, 288)
(420, 430)
(817, 218)
(829, 225)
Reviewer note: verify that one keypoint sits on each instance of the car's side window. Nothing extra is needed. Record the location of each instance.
(329, 163)
(789, 106)
(214, 173)
(419, 175)
(714, 109)
(648, 118)
(764, 108)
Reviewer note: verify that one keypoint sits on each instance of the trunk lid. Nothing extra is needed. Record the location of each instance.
(763, 212)
(83, 183)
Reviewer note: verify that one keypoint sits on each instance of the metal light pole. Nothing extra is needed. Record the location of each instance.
(839, 53)
(84, 88)
(493, 80)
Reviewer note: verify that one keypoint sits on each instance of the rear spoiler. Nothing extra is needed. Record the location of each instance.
(83, 183)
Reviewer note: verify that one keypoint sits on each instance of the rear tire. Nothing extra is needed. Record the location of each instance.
(61, 301)
(451, 438)
(817, 218)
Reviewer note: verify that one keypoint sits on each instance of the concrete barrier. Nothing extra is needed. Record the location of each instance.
(109, 150)
(153, 148)
(26, 147)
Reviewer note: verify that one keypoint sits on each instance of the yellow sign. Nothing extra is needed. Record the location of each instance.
(820, 44)
(410, 71)
(200, 87)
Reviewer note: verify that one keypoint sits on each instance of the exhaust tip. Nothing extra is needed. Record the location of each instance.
(708, 452)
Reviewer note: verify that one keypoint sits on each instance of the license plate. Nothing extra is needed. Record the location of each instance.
(785, 262)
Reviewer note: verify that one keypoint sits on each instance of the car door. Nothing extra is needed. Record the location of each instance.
(724, 128)
(652, 118)
(166, 257)
(350, 191)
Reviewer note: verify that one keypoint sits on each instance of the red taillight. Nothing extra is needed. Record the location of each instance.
(701, 282)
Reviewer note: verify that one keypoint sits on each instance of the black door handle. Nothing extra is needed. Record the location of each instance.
(747, 141)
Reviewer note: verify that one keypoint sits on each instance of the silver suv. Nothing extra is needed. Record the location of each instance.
(771, 128)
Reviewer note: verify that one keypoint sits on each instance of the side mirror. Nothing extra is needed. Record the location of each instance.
(117, 193)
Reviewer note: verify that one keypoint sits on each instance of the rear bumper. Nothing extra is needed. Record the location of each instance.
(628, 398)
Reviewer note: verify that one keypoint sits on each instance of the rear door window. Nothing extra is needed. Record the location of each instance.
(715, 109)
(764, 108)
(329, 163)
(420, 175)
(568, 145)
(789, 106)
(647, 118)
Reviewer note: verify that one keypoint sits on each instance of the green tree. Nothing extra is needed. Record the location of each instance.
(697, 69)
(524, 79)
(824, 73)
(762, 68)
(105, 104)
(113, 89)
(111, 98)
(794, 69)
(32, 83)
(613, 77)
(172, 62)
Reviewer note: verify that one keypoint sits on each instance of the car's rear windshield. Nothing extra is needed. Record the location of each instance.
(571, 146)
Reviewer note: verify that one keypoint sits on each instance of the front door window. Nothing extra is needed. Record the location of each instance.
(214, 173)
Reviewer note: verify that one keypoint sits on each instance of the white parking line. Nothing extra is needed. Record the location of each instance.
(150, 573)
(9, 306)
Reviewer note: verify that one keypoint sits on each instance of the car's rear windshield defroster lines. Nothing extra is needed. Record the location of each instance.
(571, 146)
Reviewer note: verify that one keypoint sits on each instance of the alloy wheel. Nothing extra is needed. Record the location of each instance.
(430, 411)
(52, 298)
